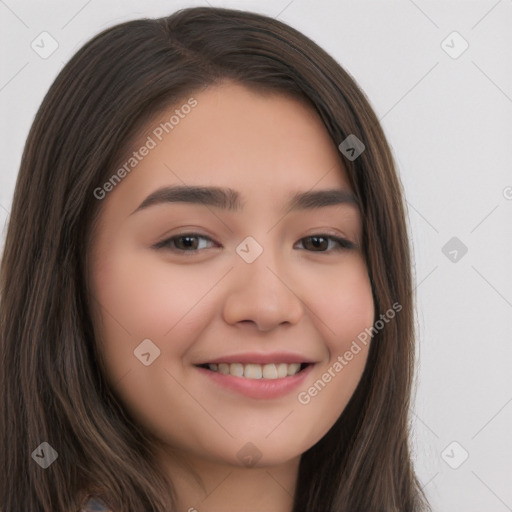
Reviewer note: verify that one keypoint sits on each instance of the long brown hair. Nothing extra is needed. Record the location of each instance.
(52, 390)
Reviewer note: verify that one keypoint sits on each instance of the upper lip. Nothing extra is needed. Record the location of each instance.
(260, 358)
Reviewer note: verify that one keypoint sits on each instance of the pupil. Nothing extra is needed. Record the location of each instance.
(317, 241)
(189, 241)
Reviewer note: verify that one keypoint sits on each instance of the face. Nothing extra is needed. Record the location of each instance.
(180, 282)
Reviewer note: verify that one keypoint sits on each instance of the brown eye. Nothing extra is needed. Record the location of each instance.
(190, 243)
(320, 243)
(185, 242)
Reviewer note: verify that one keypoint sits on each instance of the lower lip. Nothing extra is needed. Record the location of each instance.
(259, 388)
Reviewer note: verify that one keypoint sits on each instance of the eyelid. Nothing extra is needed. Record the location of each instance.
(334, 234)
(162, 244)
(344, 242)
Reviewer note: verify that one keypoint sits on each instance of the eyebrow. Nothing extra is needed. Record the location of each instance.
(230, 200)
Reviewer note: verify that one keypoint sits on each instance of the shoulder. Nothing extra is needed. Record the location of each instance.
(94, 504)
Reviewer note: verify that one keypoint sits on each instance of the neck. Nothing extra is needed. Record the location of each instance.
(211, 486)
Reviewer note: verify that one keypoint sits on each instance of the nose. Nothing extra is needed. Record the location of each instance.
(263, 294)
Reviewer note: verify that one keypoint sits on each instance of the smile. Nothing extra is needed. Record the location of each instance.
(269, 371)
(257, 381)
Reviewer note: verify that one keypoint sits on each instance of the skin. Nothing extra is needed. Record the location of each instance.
(295, 297)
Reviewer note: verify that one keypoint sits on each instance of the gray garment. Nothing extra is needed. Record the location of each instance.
(94, 504)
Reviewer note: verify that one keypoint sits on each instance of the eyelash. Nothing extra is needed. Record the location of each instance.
(343, 244)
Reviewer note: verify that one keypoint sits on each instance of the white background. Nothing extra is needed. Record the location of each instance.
(449, 122)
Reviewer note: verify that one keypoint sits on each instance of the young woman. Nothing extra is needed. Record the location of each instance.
(206, 284)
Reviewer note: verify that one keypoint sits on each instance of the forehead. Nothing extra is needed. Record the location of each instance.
(261, 144)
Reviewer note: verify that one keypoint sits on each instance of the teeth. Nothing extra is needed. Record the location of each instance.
(224, 368)
(256, 371)
(282, 370)
(253, 371)
(236, 369)
(293, 368)
(270, 371)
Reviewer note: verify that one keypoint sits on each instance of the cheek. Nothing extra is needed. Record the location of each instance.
(347, 315)
(342, 301)
(351, 314)
(139, 297)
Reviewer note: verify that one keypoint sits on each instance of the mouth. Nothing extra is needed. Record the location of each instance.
(255, 381)
(268, 371)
